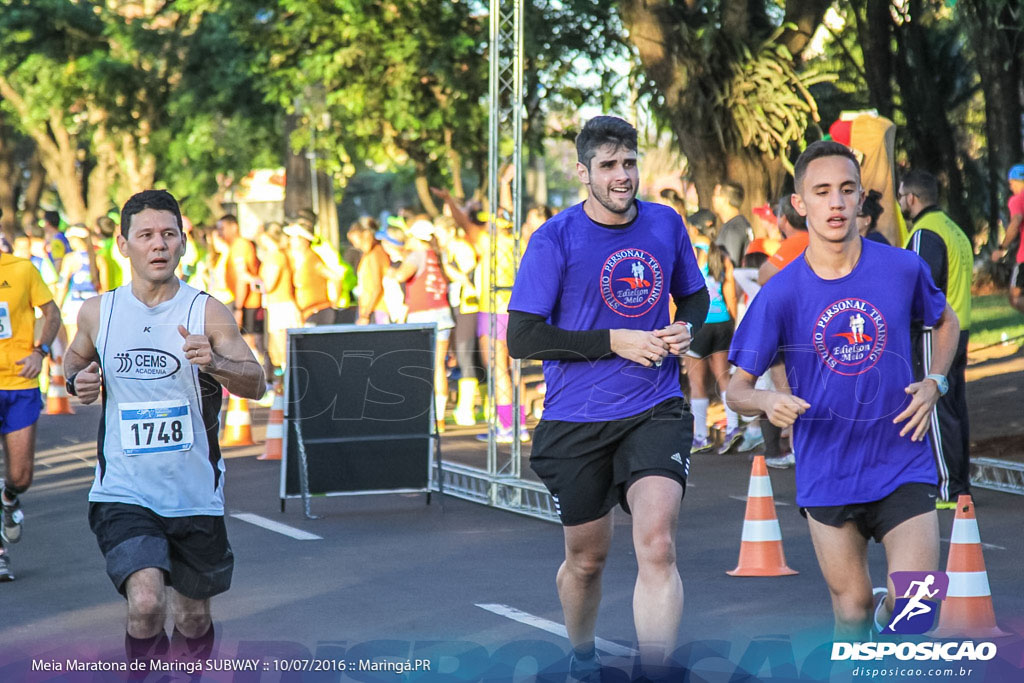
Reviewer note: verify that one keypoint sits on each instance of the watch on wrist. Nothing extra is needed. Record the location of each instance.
(43, 349)
(69, 385)
(940, 381)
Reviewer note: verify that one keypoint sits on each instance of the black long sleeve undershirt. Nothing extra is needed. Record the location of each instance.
(530, 336)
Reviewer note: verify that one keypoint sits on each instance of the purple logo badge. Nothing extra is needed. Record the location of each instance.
(917, 601)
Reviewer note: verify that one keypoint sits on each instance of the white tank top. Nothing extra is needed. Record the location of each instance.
(157, 443)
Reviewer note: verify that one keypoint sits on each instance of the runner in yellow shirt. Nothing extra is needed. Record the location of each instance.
(21, 359)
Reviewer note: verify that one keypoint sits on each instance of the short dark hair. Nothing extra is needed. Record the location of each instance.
(600, 131)
(817, 150)
(158, 200)
(922, 184)
(228, 218)
(106, 225)
(785, 208)
(703, 221)
(733, 192)
(51, 218)
(872, 208)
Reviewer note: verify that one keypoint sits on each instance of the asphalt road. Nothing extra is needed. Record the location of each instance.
(391, 579)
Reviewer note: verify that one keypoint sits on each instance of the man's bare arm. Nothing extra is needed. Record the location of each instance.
(222, 353)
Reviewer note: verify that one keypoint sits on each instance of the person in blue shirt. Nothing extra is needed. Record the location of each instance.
(841, 314)
(591, 300)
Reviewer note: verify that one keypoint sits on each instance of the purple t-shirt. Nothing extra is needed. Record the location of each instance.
(846, 345)
(581, 275)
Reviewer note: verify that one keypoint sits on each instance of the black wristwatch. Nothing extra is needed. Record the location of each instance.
(69, 385)
(44, 348)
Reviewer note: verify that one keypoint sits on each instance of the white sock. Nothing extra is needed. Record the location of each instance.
(699, 406)
(732, 419)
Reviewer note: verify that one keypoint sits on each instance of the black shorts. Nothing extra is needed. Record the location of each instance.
(193, 552)
(589, 466)
(712, 338)
(1017, 276)
(876, 519)
(254, 321)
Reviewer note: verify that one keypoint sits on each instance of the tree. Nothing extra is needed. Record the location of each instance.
(118, 99)
(380, 83)
(725, 78)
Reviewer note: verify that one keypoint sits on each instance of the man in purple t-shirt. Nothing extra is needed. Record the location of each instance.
(591, 300)
(841, 314)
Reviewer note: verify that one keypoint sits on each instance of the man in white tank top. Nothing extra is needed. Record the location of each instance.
(157, 351)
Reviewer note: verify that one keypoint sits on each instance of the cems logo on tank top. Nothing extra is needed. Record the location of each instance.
(631, 282)
(145, 364)
(850, 336)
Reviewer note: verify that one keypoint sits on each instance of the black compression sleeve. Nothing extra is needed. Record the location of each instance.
(530, 336)
(693, 308)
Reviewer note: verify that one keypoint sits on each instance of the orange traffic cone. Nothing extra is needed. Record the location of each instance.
(275, 428)
(761, 545)
(237, 423)
(57, 401)
(967, 610)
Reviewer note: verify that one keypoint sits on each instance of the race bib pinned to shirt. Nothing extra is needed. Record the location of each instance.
(6, 331)
(155, 427)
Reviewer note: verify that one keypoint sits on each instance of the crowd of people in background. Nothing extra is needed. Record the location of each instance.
(413, 268)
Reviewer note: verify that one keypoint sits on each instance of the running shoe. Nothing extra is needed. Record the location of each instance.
(702, 445)
(585, 670)
(10, 521)
(524, 435)
(732, 437)
(749, 442)
(945, 504)
(5, 569)
(878, 594)
(503, 436)
(782, 462)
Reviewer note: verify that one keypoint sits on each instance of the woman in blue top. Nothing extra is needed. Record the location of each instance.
(710, 346)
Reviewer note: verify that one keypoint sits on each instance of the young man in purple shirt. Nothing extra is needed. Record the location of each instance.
(840, 315)
(592, 301)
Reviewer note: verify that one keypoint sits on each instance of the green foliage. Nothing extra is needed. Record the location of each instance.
(767, 102)
(171, 94)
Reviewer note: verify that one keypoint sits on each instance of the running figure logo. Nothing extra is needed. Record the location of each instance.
(915, 611)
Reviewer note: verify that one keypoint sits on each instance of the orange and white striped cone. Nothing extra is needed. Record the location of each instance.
(967, 610)
(275, 429)
(761, 551)
(57, 401)
(237, 423)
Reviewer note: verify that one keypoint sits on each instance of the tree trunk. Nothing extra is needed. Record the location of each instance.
(423, 190)
(298, 192)
(8, 173)
(33, 192)
(999, 41)
(934, 146)
(875, 36)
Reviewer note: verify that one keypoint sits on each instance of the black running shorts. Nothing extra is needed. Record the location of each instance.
(712, 338)
(589, 466)
(254, 321)
(193, 552)
(876, 519)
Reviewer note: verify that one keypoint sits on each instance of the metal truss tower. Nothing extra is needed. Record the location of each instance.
(502, 485)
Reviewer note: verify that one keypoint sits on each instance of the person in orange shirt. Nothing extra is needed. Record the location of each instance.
(241, 278)
(310, 277)
(21, 358)
(277, 278)
(373, 264)
(794, 228)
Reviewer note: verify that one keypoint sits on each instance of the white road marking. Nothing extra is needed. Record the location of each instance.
(276, 527)
(555, 628)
